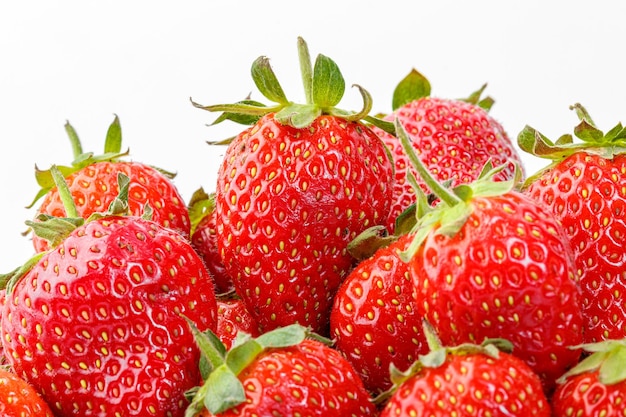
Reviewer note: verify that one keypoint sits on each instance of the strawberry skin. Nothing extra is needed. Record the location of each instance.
(585, 192)
(19, 399)
(289, 200)
(507, 273)
(375, 321)
(471, 385)
(96, 325)
(204, 241)
(232, 318)
(453, 138)
(94, 187)
(308, 379)
(584, 395)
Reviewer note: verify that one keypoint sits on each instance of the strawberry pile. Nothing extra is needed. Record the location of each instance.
(344, 264)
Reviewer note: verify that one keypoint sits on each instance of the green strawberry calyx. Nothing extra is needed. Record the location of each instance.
(438, 355)
(220, 368)
(591, 140)
(56, 229)
(455, 207)
(201, 204)
(415, 86)
(607, 358)
(420, 219)
(324, 87)
(112, 153)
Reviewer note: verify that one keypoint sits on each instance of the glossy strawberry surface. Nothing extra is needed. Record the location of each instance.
(289, 200)
(374, 320)
(19, 399)
(453, 138)
(507, 273)
(585, 396)
(94, 187)
(232, 318)
(471, 385)
(308, 379)
(586, 193)
(96, 325)
(204, 241)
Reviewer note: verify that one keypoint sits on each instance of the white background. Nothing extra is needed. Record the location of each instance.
(86, 60)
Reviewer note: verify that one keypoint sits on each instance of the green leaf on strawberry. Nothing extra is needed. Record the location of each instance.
(324, 88)
(222, 389)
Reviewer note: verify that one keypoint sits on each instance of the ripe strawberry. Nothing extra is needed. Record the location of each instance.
(292, 191)
(489, 262)
(19, 399)
(204, 238)
(467, 380)
(596, 387)
(285, 372)
(374, 319)
(95, 323)
(233, 318)
(93, 182)
(3, 359)
(454, 138)
(584, 188)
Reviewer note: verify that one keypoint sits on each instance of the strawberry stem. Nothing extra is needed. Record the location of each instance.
(77, 147)
(306, 69)
(113, 140)
(438, 189)
(64, 192)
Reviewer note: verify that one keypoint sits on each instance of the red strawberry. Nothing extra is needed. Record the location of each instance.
(233, 318)
(93, 182)
(204, 238)
(374, 320)
(19, 399)
(468, 380)
(596, 387)
(3, 359)
(292, 191)
(284, 372)
(453, 138)
(489, 262)
(584, 188)
(96, 323)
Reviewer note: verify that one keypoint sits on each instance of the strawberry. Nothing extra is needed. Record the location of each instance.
(204, 238)
(490, 262)
(584, 188)
(293, 190)
(596, 387)
(374, 319)
(467, 380)
(93, 182)
(19, 399)
(454, 138)
(3, 359)
(232, 318)
(285, 372)
(95, 323)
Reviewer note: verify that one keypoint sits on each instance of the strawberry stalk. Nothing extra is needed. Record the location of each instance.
(324, 87)
(451, 214)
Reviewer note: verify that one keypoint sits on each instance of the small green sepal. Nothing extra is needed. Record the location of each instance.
(324, 87)
(607, 358)
(222, 388)
(412, 87)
